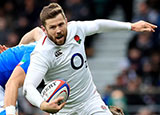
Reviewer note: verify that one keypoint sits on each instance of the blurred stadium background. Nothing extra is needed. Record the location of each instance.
(125, 65)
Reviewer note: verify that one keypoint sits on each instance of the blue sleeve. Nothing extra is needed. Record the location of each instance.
(3, 112)
(25, 61)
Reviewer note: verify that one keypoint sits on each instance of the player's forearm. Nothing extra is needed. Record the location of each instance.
(11, 89)
(101, 26)
(11, 93)
(32, 94)
(32, 80)
(110, 25)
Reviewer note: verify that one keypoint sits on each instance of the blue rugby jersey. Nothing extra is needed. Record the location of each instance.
(9, 59)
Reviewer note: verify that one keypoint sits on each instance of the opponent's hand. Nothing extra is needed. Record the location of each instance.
(116, 110)
(3, 48)
(53, 106)
(142, 26)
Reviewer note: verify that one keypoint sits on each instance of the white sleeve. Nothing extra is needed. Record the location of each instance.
(102, 25)
(36, 72)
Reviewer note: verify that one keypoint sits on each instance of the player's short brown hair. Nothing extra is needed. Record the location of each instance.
(51, 11)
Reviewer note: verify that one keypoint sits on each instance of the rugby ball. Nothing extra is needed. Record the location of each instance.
(55, 89)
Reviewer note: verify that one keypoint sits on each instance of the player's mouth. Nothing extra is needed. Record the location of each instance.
(59, 37)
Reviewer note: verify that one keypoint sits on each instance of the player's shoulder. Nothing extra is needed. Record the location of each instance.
(75, 27)
(43, 43)
(72, 25)
(44, 47)
(75, 23)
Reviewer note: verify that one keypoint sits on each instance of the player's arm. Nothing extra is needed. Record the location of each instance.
(33, 35)
(102, 25)
(35, 74)
(11, 90)
(16, 81)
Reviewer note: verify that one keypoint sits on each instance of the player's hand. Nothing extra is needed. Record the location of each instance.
(116, 110)
(142, 26)
(3, 48)
(53, 106)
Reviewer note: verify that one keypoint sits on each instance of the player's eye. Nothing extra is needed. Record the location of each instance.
(61, 24)
(52, 27)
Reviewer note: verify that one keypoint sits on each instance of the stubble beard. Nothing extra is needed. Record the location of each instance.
(54, 40)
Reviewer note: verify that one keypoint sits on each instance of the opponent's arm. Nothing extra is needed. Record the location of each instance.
(11, 90)
(33, 35)
(102, 25)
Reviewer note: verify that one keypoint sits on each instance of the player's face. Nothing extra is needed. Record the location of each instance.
(56, 29)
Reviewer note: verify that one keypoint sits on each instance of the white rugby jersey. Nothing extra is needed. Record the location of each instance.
(67, 62)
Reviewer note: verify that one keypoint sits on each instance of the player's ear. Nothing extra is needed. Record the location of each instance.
(43, 28)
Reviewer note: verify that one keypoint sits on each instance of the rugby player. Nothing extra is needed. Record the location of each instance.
(14, 63)
(61, 55)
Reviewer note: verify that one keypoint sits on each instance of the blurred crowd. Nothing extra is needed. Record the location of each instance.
(139, 81)
(18, 17)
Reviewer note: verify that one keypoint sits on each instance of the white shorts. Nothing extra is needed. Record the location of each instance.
(1, 96)
(93, 106)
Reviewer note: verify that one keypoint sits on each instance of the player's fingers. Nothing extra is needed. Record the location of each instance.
(148, 30)
(1, 49)
(4, 47)
(58, 99)
(152, 25)
(152, 30)
(62, 105)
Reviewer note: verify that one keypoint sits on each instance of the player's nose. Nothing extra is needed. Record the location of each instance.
(59, 31)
